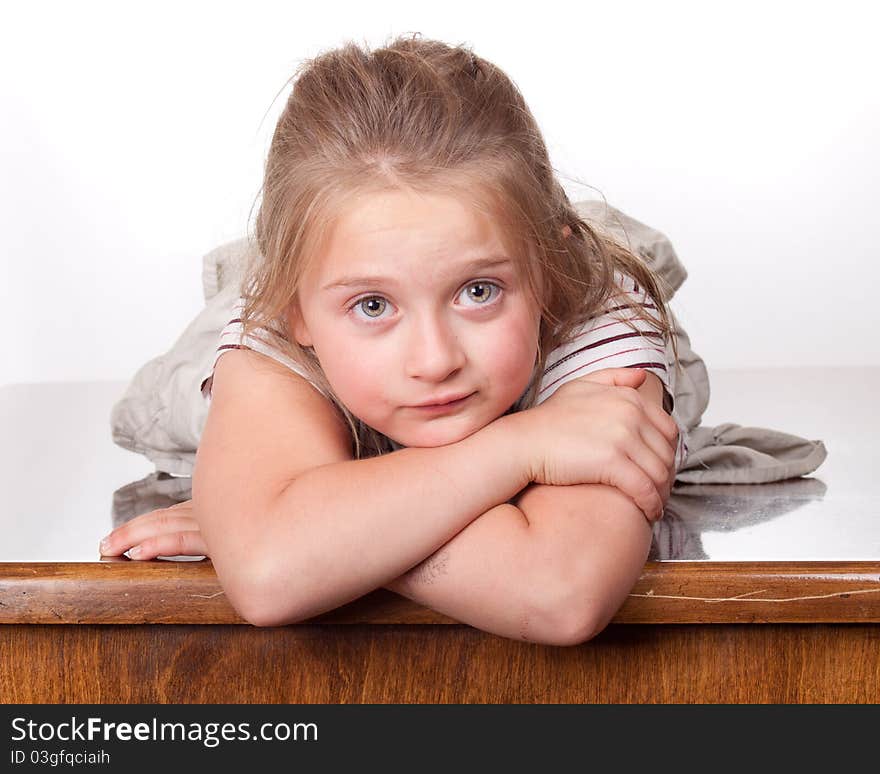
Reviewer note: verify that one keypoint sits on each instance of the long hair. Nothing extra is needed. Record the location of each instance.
(421, 115)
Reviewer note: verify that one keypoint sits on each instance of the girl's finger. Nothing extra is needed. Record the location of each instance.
(184, 507)
(666, 488)
(617, 377)
(187, 543)
(653, 465)
(658, 416)
(665, 424)
(630, 479)
(139, 529)
(658, 444)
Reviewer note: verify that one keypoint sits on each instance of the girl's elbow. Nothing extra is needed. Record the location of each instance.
(578, 626)
(250, 606)
(572, 617)
(256, 610)
(264, 618)
(256, 599)
(263, 613)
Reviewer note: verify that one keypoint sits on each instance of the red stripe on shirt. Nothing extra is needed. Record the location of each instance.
(609, 340)
(599, 360)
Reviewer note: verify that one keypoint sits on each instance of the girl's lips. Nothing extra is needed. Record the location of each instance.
(442, 408)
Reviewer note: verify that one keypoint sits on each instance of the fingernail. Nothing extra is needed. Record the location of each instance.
(135, 552)
(105, 544)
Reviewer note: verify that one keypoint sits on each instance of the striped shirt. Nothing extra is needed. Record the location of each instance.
(604, 341)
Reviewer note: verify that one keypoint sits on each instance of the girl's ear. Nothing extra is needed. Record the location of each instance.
(298, 326)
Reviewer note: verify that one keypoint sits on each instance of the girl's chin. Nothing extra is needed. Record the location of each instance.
(435, 436)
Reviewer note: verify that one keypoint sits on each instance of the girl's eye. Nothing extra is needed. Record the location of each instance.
(479, 293)
(372, 306)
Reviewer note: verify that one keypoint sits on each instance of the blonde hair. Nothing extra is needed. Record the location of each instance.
(421, 115)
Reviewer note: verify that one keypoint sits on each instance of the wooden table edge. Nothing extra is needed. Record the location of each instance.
(126, 592)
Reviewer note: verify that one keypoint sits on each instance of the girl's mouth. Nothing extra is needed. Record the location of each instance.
(443, 408)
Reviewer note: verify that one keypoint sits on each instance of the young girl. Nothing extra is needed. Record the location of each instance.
(439, 378)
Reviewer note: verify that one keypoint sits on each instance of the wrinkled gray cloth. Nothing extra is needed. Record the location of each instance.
(162, 412)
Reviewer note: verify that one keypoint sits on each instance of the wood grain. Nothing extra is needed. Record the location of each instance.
(437, 664)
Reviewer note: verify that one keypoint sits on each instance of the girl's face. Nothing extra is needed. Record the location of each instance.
(419, 317)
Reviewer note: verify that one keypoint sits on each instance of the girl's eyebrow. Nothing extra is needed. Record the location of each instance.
(468, 268)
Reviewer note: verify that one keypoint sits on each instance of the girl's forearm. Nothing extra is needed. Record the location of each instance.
(490, 576)
(554, 572)
(341, 530)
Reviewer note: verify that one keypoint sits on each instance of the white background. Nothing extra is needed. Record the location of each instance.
(132, 139)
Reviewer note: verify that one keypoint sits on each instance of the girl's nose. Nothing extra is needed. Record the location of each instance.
(434, 352)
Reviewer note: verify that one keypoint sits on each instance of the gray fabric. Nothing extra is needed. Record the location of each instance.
(162, 412)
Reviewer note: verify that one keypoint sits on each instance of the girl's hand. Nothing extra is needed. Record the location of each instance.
(165, 532)
(599, 429)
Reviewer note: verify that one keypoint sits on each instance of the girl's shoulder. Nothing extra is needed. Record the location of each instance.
(259, 340)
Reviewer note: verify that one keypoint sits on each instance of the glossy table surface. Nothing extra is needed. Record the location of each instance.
(66, 484)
